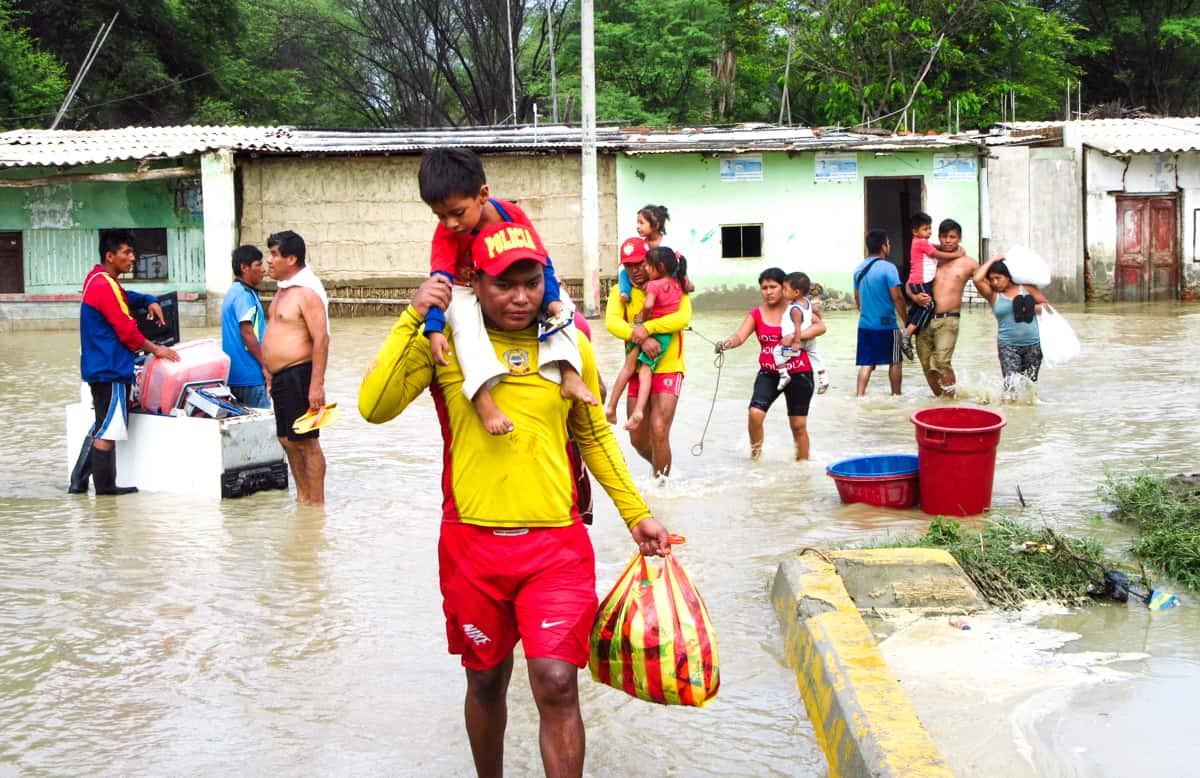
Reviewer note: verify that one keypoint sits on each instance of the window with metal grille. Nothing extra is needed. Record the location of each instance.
(151, 248)
(741, 241)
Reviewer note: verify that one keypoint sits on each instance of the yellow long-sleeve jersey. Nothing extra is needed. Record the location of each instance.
(524, 478)
(618, 317)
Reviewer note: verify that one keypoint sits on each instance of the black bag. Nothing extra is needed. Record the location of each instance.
(1024, 308)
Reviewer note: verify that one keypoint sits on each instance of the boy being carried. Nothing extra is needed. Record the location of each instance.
(453, 185)
(924, 261)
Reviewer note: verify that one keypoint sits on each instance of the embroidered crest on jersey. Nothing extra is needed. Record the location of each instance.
(517, 361)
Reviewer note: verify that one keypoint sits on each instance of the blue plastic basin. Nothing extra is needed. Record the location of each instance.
(875, 466)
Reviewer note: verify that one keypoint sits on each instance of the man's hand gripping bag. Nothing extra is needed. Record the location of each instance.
(653, 639)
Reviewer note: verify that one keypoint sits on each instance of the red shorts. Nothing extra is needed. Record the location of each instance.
(504, 585)
(660, 383)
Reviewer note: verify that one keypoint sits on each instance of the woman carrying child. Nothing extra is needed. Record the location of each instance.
(664, 292)
(1015, 306)
(765, 323)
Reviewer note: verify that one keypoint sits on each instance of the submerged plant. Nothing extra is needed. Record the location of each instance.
(1166, 512)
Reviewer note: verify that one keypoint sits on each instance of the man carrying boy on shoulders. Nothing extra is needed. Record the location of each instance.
(515, 560)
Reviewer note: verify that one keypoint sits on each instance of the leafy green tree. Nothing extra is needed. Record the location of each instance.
(1145, 53)
(32, 82)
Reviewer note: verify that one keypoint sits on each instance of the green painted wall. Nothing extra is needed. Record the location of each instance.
(806, 225)
(60, 225)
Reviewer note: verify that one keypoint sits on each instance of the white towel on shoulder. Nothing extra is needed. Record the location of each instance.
(308, 279)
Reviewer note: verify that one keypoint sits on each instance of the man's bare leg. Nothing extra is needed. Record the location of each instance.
(895, 374)
(486, 711)
(295, 457)
(640, 438)
(555, 686)
(864, 376)
(662, 416)
(314, 470)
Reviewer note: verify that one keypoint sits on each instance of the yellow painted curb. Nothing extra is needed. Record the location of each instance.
(863, 720)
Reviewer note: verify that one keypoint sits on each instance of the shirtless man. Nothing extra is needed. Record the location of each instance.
(935, 342)
(295, 349)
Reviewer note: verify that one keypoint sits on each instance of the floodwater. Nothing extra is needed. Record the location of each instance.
(159, 634)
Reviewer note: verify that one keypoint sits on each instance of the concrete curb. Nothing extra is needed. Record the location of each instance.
(862, 718)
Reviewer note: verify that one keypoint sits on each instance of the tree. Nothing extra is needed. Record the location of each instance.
(1145, 53)
(867, 61)
(32, 82)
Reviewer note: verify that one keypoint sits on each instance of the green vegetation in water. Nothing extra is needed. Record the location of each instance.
(1011, 563)
(1166, 512)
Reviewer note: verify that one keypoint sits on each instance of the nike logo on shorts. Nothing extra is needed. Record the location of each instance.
(549, 624)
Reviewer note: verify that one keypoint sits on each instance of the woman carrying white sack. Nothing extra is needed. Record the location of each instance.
(1015, 306)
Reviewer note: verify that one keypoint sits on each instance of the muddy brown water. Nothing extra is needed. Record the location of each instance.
(159, 634)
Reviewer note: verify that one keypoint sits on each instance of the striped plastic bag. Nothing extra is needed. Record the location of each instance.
(653, 639)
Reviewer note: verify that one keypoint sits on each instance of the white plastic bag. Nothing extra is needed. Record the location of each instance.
(1027, 266)
(1059, 344)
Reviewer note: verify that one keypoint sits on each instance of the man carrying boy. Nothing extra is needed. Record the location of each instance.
(935, 343)
(453, 185)
(515, 561)
(242, 325)
(880, 304)
(924, 261)
(109, 340)
(295, 349)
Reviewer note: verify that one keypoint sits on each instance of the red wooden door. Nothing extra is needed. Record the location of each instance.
(12, 264)
(1147, 248)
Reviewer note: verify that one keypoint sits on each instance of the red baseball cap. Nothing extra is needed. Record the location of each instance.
(633, 250)
(499, 245)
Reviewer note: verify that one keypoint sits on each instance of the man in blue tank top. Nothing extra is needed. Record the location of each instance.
(242, 324)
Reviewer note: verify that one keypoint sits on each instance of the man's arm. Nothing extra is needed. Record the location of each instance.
(603, 458)
(250, 341)
(614, 318)
(403, 368)
(318, 330)
(898, 301)
(103, 294)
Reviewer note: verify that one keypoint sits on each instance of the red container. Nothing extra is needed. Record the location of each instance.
(886, 481)
(956, 448)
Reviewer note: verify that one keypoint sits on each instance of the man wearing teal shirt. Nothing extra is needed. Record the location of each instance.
(242, 324)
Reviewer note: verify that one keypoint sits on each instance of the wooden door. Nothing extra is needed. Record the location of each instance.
(12, 264)
(1147, 248)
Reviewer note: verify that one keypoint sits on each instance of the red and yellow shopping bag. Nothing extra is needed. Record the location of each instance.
(652, 637)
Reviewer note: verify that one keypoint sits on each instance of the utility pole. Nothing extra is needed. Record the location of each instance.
(590, 199)
(512, 66)
(553, 71)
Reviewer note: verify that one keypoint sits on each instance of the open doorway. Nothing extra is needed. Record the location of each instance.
(890, 202)
(12, 264)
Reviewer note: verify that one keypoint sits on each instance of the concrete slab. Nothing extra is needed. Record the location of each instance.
(924, 578)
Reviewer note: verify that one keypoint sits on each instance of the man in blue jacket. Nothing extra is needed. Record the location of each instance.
(109, 340)
(242, 324)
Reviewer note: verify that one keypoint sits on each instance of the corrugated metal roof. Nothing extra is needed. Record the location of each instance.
(1115, 136)
(60, 148)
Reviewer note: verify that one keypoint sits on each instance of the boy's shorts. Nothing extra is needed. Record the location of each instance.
(660, 383)
(877, 347)
(504, 585)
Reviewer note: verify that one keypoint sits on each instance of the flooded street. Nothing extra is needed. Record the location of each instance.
(158, 634)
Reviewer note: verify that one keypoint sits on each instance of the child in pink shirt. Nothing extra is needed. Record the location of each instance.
(924, 260)
(664, 291)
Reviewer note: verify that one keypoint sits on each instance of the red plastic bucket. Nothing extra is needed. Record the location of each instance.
(956, 450)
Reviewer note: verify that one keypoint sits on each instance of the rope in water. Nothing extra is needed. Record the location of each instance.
(718, 362)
